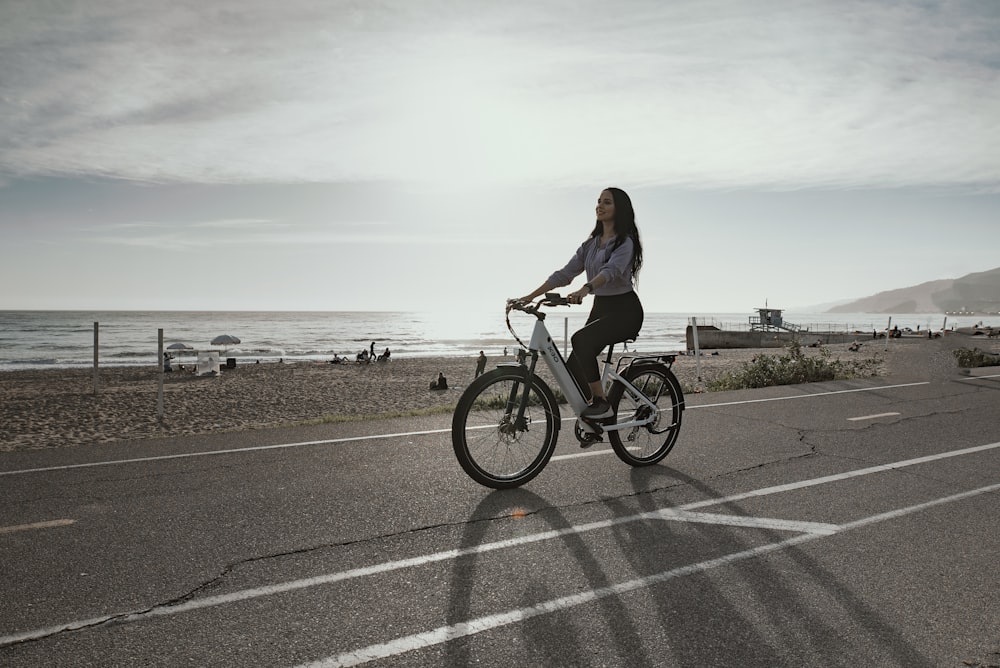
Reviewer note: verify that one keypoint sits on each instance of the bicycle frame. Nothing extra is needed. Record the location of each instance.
(541, 344)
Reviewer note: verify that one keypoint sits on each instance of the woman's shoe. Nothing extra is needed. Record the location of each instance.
(598, 410)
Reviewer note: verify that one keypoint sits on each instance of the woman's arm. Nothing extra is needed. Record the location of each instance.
(588, 288)
(562, 277)
(540, 290)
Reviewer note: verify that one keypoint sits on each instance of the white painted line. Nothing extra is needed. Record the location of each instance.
(375, 437)
(810, 396)
(444, 634)
(209, 453)
(589, 452)
(996, 375)
(37, 525)
(812, 529)
(893, 514)
(872, 417)
(836, 477)
(744, 521)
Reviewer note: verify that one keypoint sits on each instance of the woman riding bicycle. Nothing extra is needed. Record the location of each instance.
(611, 257)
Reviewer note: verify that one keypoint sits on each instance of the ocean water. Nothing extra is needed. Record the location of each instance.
(65, 339)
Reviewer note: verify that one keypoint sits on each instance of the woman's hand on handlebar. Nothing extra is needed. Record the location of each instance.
(577, 297)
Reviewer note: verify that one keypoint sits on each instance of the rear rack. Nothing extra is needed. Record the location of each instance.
(626, 361)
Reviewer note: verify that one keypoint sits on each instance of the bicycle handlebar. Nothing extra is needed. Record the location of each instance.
(550, 299)
(533, 308)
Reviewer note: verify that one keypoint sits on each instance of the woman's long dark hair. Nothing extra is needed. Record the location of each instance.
(624, 227)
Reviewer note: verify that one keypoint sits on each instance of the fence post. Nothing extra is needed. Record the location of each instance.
(565, 337)
(96, 328)
(697, 352)
(159, 393)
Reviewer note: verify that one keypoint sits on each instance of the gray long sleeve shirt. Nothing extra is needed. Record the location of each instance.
(616, 266)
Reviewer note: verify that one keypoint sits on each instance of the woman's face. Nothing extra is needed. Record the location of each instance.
(606, 207)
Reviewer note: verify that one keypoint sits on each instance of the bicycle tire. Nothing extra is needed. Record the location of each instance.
(647, 445)
(493, 450)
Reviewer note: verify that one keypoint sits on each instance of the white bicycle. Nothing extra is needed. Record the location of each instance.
(507, 421)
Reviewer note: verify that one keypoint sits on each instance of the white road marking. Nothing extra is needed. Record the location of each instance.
(996, 375)
(375, 437)
(872, 417)
(444, 634)
(836, 477)
(209, 453)
(810, 396)
(37, 525)
(744, 521)
(812, 529)
(590, 452)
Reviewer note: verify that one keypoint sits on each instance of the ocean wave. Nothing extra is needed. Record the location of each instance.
(61, 347)
(44, 361)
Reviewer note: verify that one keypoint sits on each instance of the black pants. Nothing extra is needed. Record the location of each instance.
(613, 318)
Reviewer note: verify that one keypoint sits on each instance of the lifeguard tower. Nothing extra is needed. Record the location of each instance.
(770, 320)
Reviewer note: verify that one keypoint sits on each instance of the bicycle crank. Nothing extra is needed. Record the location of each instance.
(588, 431)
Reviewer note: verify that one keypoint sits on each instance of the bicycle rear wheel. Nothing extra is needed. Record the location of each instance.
(495, 446)
(649, 444)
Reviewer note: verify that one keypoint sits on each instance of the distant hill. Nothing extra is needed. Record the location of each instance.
(979, 292)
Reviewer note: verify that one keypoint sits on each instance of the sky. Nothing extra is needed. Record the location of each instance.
(414, 155)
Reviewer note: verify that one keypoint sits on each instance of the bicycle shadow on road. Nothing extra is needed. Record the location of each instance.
(552, 638)
(751, 594)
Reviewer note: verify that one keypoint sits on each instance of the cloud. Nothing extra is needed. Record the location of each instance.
(210, 235)
(241, 224)
(692, 94)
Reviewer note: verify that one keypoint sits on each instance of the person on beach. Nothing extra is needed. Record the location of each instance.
(480, 364)
(611, 257)
(441, 383)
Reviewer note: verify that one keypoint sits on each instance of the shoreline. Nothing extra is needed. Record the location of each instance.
(50, 408)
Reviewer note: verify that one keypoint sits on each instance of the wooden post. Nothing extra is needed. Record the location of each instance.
(697, 352)
(96, 328)
(159, 394)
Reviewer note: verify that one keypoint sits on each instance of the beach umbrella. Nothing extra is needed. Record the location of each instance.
(225, 340)
(179, 346)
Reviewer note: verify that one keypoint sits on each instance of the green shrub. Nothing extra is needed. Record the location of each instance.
(969, 359)
(792, 368)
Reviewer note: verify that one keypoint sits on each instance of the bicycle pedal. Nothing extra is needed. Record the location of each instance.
(593, 426)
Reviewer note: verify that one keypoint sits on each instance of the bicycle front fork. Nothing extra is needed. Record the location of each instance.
(517, 402)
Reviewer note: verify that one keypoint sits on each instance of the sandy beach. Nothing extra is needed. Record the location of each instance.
(58, 408)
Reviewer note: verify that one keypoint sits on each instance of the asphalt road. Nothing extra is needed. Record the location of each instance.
(850, 523)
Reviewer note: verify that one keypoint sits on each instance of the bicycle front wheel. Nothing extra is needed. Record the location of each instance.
(650, 443)
(497, 444)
